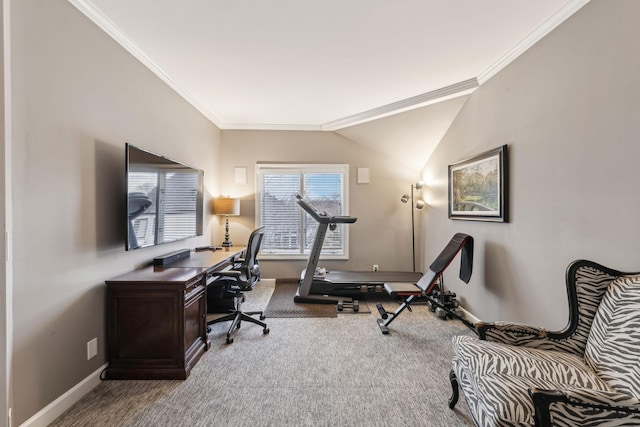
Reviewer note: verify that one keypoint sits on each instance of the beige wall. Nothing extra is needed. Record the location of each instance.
(569, 110)
(6, 289)
(77, 98)
(382, 233)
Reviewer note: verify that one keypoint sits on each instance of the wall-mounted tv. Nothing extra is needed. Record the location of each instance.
(164, 199)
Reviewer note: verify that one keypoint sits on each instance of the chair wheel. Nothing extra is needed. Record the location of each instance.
(229, 340)
(262, 317)
(265, 331)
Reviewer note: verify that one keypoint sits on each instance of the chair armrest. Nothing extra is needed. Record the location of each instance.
(229, 273)
(519, 334)
(575, 406)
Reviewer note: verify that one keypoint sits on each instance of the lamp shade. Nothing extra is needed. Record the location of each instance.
(226, 206)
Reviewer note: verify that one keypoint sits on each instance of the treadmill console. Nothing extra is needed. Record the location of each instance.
(323, 217)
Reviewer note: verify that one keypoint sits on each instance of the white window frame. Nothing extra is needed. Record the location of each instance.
(304, 168)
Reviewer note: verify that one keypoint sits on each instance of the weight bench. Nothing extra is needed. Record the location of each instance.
(408, 292)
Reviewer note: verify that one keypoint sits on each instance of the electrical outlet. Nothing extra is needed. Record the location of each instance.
(375, 267)
(92, 348)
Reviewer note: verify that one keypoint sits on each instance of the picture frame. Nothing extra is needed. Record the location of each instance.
(478, 187)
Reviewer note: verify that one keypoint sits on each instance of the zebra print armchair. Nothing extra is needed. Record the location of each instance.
(587, 374)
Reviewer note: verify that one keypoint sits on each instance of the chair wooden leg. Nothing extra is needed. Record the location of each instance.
(454, 389)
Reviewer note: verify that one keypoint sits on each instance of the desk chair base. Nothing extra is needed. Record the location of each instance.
(237, 316)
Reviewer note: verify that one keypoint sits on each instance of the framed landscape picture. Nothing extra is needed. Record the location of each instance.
(478, 187)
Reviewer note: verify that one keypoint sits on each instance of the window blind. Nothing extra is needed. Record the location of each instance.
(289, 231)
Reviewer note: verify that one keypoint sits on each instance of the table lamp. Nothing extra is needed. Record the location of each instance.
(226, 206)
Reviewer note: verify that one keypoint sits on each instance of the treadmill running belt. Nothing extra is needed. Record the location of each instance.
(371, 277)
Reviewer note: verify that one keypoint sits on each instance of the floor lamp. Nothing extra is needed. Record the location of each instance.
(419, 204)
(226, 206)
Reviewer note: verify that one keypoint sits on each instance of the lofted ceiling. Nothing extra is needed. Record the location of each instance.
(384, 74)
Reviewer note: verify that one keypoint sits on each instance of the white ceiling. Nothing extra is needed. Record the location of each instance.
(332, 64)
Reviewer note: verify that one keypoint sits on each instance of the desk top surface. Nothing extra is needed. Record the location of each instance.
(206, 259)
(182, 270)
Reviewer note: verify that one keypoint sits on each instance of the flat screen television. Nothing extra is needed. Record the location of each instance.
(164, 199)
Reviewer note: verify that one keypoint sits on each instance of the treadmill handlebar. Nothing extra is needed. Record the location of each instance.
(323, 217)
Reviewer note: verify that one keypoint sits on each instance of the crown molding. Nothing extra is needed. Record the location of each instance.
(438, 95)
(91, 12)
(457, 89)
(542, 30)
(269, 126)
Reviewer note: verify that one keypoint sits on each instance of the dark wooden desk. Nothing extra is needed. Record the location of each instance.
(157, 325)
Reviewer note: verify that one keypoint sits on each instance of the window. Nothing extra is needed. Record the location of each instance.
(289, 230)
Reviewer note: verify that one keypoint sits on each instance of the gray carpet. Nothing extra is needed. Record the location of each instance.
(307, 372)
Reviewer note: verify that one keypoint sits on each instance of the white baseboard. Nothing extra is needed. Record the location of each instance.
(468, 315)
(56, 408)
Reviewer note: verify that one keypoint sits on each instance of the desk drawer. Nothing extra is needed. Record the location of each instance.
(194, 290)
(192, 284)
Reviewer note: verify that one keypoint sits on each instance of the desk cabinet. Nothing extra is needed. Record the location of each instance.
(157, 324)
(157, 329)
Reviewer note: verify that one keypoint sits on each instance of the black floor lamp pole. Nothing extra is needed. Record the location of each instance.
(406, 198)
(413, 232)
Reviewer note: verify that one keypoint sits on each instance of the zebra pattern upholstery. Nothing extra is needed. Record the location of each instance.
(587, 374)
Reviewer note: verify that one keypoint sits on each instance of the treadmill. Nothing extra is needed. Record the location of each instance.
(339, 287)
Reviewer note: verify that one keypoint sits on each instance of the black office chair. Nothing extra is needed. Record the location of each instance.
(242, 278)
